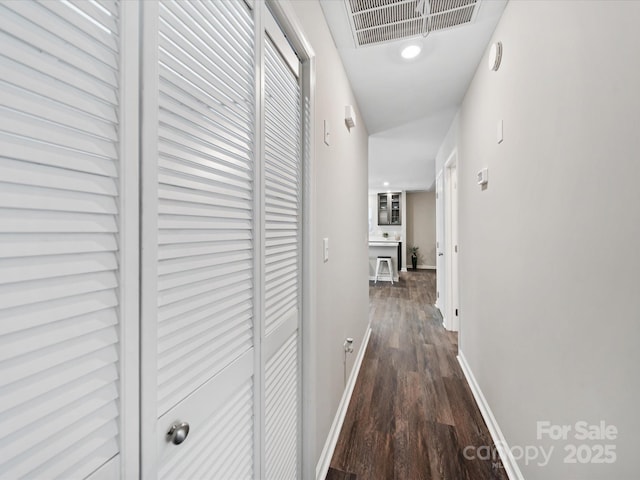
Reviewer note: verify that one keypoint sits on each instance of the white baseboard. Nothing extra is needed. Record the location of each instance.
(334, 432)
(510, 464)
(426, 267)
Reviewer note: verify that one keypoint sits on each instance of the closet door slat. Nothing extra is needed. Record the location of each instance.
(59, 239)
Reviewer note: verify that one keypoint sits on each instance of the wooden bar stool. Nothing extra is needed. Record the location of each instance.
(384, 260)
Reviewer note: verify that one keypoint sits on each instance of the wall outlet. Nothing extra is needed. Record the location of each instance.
(348, 345)
(325, 249)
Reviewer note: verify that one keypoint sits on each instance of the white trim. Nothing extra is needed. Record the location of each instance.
(309, 301)
(284, 14)
(332, 439)
(427, 267)
(259, 28)
(149, 239)
(129, 248)
(441, 270)
(279, 39)
(510, 464)
(450, 160)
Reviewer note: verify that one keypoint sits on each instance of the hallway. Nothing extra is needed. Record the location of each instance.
(411, 414)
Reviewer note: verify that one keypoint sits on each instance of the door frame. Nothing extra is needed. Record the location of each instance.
(149, 25)
(440, 246)
(451, 320)
(129, 247)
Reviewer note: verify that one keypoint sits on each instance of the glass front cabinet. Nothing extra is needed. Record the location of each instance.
(389, 209)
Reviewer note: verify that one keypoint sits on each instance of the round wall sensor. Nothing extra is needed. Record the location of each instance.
(495, 56)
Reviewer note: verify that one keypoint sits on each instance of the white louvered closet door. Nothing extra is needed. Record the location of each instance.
(282, 255)
(60, 240)
(198, 279)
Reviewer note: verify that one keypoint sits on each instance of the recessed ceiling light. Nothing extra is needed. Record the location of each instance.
(411, 51)
(386, 184)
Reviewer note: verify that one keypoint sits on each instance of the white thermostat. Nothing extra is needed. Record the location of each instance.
(483, 176)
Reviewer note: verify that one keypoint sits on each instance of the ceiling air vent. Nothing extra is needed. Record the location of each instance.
(379, 21)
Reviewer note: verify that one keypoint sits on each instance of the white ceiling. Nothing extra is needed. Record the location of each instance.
(408, 106)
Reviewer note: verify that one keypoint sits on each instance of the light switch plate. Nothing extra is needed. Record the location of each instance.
(483, 176)
(325, 249)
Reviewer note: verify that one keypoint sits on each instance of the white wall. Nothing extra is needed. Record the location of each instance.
(340, 177)
(549, 252)
(449, 144)
(421, 226)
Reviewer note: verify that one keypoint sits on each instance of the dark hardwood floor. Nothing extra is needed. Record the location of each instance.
(412, 413)
(334, 474)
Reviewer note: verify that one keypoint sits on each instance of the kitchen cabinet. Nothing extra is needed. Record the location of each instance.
(389, 212)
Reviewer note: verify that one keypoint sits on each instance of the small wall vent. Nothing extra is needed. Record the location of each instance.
(379, 21)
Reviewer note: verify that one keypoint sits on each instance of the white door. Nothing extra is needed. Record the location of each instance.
(440, 247)
(453, 286)
(198, 231)
(220, 245)
(282, 196)
(451, 243)
(219, 249)
(68, 270)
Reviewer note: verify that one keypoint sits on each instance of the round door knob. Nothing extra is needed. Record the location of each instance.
(178, 433)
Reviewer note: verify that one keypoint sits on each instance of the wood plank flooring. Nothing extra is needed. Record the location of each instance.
(334, 474)
(412, 413)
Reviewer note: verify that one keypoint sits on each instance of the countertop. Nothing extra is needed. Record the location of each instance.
(383, 243)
